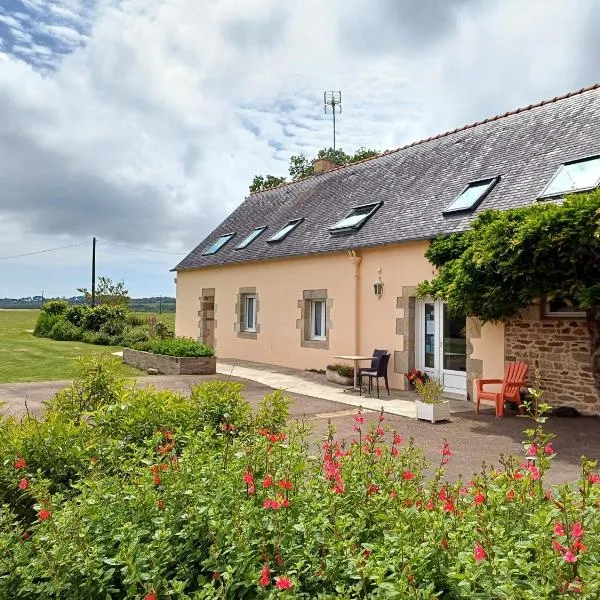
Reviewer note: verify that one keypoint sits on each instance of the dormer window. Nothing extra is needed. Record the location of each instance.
(574, 176)
(472, 195)
(355, 219)
(218, 244)
(250, 238)
(284, 231)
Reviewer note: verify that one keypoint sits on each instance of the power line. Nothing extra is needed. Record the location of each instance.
(43, 251)
(140, 249)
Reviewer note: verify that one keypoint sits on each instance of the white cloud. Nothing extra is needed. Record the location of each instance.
(149, 130)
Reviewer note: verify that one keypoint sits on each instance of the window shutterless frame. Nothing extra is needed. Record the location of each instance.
(564, 180)
(317, 320)
(355, 219)
(285, 231)
(250, 237)
(249, 316)
(471, 196)
(218, 243)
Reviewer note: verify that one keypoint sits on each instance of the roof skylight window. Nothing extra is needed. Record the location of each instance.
(472, 195)
(355, 219)
(285, 231)
(574, 176)
(250, 238)
(218, 244)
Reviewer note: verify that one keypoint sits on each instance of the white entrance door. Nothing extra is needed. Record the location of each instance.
(441, 348)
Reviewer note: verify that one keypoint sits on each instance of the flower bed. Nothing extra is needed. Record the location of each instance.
(159, 496)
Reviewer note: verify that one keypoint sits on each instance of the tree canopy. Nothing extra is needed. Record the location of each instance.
(301, 166)
(108, 292)
(508, 259)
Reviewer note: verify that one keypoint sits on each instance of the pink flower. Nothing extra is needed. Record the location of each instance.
(556, 546)
(283, 582)
(268, 481)
(44, 514)
(549, 450)
(380, 431)
(445, 451)
(577, 530)
(248, 478)
(559, 529)
(23, 484)
(532, 450)
(594, 478)
(20, 463)
(358, 418)
(535, 472)
(397, 439)
(265, 576)
(394, 451)
(578, 545)
(430, 505)
(569, 557)
(479, 552)
(479, 498)
(408, 475)
(338, 488)
(286, 484)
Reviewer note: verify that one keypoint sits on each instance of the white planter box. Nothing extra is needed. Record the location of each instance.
(433, 412)
(335, 377)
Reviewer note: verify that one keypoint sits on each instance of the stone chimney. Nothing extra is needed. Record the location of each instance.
(322, 165)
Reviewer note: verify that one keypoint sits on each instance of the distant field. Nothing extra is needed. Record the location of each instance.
(24, 357)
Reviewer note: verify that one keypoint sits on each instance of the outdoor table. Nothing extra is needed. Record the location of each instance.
(355, 359)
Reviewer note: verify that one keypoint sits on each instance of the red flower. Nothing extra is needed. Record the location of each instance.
(510, 495)
(479, 498)
(44, 514)
(479, 552)
(268, 481)
(578, 545)
(443, 494)
(151, 596)
(161, 504)
(372, 489)
(445, 451)
(397, 439)
(559, 529)
(408, 475)
(20, 463)
(251, 490)
(430, 505)
(549, 450)
(265, 576)
(569, 557)
(535, 472)
(248, 478)
(394, 451)
(577, 530)
(556, 546)
(449, 507)
(378, 452)
(518, 475)
(156, 479)
(23, 484)
(286, 484)
(366, 553)
(283, 582)
(338, 488)
(593, 478)
(165, 449)
(358, 418)
(380, 431)
(445, 543)
(26, 535)
(532, 450)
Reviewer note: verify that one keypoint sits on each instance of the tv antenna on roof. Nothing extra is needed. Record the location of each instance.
(333, 103)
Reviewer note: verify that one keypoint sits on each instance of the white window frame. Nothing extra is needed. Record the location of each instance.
(566, 314)
(246, 327)
(544, 195)
(323, 321)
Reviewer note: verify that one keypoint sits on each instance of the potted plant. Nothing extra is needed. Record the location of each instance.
(415, 376)
(341, 374)
(430, 404)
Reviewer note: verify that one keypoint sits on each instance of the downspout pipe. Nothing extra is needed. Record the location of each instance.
(355, 259)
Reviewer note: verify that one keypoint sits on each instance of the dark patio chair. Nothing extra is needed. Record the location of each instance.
(380, 371)
(377, 354)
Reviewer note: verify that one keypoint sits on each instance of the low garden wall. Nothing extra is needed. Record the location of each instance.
(170, 365)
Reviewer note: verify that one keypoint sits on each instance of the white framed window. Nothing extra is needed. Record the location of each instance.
(249, 314)
(574, 176)
(562, 307)
(318, 330)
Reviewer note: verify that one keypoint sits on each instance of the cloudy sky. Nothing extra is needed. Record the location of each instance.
(142, 122)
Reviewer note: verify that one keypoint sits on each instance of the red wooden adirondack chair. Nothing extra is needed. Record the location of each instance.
(514, 380)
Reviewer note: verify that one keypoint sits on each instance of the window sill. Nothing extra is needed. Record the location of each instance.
(316, 344)
(247, 335)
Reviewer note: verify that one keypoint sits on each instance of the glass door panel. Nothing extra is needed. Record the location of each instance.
(454, 342)
(429, 339)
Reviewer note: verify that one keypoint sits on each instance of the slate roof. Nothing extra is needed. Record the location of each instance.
(416, 183)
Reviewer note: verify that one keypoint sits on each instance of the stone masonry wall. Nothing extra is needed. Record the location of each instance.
(560, 350)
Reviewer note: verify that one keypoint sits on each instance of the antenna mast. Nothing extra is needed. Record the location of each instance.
(332, 102)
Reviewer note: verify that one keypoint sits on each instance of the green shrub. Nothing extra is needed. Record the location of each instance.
(102, 339)
(135, 320)
(273, 412)
(89, 337)
(113, 327)
(161, 330)
(176, 346)
(221, 402)
(133, 334)
(99, 315)
(45, 322)
(64, 331)
(343, 370)
(55, 307)
(75, 314)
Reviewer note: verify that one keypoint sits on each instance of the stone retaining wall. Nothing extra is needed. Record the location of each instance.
(560, 350)
(170, 365)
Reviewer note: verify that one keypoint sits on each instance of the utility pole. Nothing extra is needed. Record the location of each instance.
(160, 305)
(333, 103)
(93, 271)
(42, 302)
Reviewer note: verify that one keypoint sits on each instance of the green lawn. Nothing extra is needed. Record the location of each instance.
(24, 357)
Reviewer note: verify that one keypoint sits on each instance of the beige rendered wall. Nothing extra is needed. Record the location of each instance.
(279, 286)
(489, 349)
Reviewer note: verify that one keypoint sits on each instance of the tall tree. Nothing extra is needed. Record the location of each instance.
(301, 166)
(508, 259)
(108, 292)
